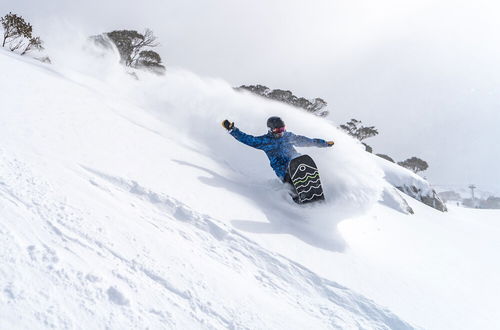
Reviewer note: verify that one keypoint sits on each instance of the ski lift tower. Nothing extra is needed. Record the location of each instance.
(472, 187)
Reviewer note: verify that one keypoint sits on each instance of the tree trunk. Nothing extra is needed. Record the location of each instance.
(25, 50)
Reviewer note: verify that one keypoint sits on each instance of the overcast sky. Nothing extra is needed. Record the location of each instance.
(425, 73)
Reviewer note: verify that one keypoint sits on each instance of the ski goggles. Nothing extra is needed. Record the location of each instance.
(279, 130)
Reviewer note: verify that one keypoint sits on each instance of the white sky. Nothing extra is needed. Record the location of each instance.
(425, 73)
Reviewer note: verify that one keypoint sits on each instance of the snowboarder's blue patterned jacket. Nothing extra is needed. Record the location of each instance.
(279, 150)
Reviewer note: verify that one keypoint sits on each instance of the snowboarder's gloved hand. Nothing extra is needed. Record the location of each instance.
(229, 125)
(330, 143)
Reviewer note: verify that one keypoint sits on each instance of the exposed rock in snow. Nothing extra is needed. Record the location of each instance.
(411, 184)
(426, 195)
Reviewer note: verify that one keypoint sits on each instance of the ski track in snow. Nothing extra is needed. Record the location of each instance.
(79, 271)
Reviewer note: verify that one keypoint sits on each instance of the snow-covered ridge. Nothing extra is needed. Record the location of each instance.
(117, 198)
(409, 183)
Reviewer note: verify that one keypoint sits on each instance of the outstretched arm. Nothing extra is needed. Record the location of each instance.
(302, 141)
(249, 140)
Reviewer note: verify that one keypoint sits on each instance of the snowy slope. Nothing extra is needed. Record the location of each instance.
(132, 258)
(437, 270)
(101, 222)
(124, 204)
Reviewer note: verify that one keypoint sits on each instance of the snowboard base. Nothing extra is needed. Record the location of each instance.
(304, 176)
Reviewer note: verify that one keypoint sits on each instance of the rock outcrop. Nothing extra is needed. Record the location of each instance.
(411, 184)
(427, 196)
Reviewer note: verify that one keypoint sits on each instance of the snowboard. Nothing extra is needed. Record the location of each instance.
(304, 175)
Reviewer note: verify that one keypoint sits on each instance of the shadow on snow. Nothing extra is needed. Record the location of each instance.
(313, 224)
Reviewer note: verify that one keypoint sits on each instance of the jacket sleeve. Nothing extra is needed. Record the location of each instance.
(249, 140)
(302, 141)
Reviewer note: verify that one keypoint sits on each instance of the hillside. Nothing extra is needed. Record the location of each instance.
(126, 205)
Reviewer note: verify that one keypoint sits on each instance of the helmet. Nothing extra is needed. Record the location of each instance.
(275, 122)
(276, 126)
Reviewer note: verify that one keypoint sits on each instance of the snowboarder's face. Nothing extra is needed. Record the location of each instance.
(278, 132)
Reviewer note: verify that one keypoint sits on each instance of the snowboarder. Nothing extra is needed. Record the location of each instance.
(278, 144)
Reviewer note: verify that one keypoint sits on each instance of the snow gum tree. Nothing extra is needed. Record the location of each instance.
(316, 106)
(355, 129)
(415, 164)
(360, 132)
(151, 60)
(134, 48)
(18, 34)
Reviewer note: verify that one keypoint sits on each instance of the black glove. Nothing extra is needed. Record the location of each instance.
(229, 125)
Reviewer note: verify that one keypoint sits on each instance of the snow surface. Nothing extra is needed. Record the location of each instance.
(124, 204)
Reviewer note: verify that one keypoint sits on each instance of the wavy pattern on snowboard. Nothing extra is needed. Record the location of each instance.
(305, 185)
(313, 196)
(308, 190)
(306, 177)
